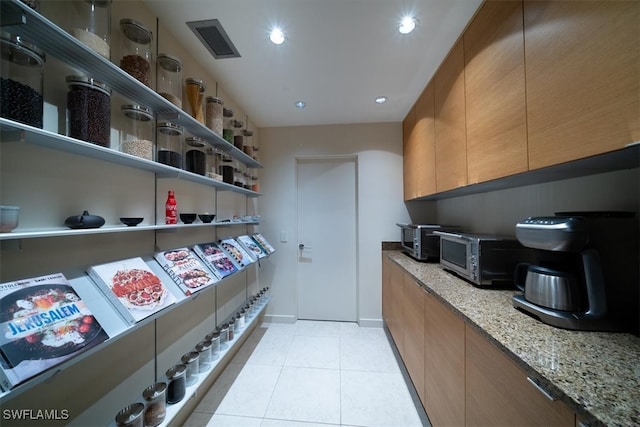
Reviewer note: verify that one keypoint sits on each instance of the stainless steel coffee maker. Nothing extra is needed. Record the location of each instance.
(586, 273)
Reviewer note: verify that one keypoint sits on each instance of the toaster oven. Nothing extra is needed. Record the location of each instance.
(419, 242)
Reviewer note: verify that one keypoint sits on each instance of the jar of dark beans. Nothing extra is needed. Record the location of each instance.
(156, 404)
(89, 104)
(136, 135)
(89, 21)
(190, 360)
(170, 78)
(21, 84)
(176, 383)
(130, 416)
(169, 143)
(204, 349)
(237, 137)
(195, 155)
(136, 50)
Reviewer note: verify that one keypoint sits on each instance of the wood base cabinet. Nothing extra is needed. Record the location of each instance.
(499, 394)
(414, 336)
(393, 301)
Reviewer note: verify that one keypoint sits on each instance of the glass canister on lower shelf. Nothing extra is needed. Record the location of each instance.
(21, 85)
(169, 144)
(136, 135)
(204, 349)
(89, 105)
(195, 155)
(214, 339)
(136, 50)
(190, 360)
(90, 23)
(156, 404)
(130, 416)
(170, 78)
(176, 383)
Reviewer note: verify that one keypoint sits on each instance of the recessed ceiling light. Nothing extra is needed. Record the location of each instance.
(300, 104)
(407, 24)
(381, 99)
(276, 36)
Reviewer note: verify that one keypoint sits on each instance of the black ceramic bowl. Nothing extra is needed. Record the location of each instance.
(187, 218)
(131, 222)
(206, 218)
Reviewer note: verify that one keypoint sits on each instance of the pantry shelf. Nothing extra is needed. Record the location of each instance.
(56, 42)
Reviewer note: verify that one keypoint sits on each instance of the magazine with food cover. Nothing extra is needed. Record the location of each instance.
(186, 269)
(252, 247)
(236, 252)
(132, 287)
(215, 259)
(264, 243)
(44, 322)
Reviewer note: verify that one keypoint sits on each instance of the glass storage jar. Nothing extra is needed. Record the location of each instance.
(224, 336)
(136, 135)
(136, 50)
(176, 383)
(238, 139)
(204, 349)
(190, 360)
(213, 160)
(89, 104)
(169, 144)
(156, 404)
(227, 131)
(195, 155)
(21, 84)
(130, 416)
(214, 114)
(90, 23)
(170, 78)
(195, 94)
(214, 339)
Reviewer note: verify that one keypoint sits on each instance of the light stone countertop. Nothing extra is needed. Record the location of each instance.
(597, 374)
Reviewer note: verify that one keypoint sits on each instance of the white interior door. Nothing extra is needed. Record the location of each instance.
(327, 208)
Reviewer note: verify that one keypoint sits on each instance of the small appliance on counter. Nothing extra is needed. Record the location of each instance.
(586, 272)
(482, 259)
(420, 242)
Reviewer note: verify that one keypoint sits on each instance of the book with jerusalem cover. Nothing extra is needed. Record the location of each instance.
(252, 247)
(43, 323)
(236, 252)
(186, 269)
(216, 259)
(132, 287)
(264, 243)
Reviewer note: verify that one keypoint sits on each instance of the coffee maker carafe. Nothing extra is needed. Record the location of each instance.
(585, 276)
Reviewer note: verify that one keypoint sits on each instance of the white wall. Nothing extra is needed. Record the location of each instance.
(380, 205)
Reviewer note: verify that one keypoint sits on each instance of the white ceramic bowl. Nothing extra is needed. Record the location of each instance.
(8, 218)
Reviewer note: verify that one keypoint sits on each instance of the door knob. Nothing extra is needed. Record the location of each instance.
(301, 246)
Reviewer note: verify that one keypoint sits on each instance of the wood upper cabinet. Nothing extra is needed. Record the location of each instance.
(409, 155)
(414, 312)
(495, 92)
(425, 148)
(444, 364)
(450, 128)
(498, 392)
(583, 78)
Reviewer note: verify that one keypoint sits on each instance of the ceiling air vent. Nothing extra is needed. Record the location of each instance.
(214, 38)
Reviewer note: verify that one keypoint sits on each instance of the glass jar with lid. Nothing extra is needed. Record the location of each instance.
(89, 105)
(136, 135)
(21, 82)
(130, 416)
(195, 155)
(170, 78)
(169, 138)
(237, 135)
(227, 131)
(195, 94)
(191, 361)
(90, 23)
(136, 50)
(156, 404)
(176, 383)
(213, 161)
(214, 114)
(204, 349)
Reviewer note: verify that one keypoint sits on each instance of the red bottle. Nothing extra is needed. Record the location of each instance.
(171, 209)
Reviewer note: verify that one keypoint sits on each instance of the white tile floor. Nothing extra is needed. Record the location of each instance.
(311, 374)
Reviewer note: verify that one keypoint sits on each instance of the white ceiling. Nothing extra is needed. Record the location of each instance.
(338, 57)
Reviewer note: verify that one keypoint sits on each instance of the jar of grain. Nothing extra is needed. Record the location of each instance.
(195, 93)
(156, 404)
(130, 416)
(170, 78)
(214, 114)
(169, 138)
(21, 81)
(89, 104)
(136, 136)
(90, 23)
(195, 155)
(136, 50)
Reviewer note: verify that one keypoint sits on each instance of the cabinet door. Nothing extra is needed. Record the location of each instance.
(395, 297)
(424, 150)
(409, 155)
(386, 289)
(414, 332)
(451, 143)
(582, 72)
(495, 92)
(444, 364)
(498, 392)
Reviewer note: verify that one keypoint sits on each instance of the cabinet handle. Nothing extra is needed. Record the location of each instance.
(541, 390)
